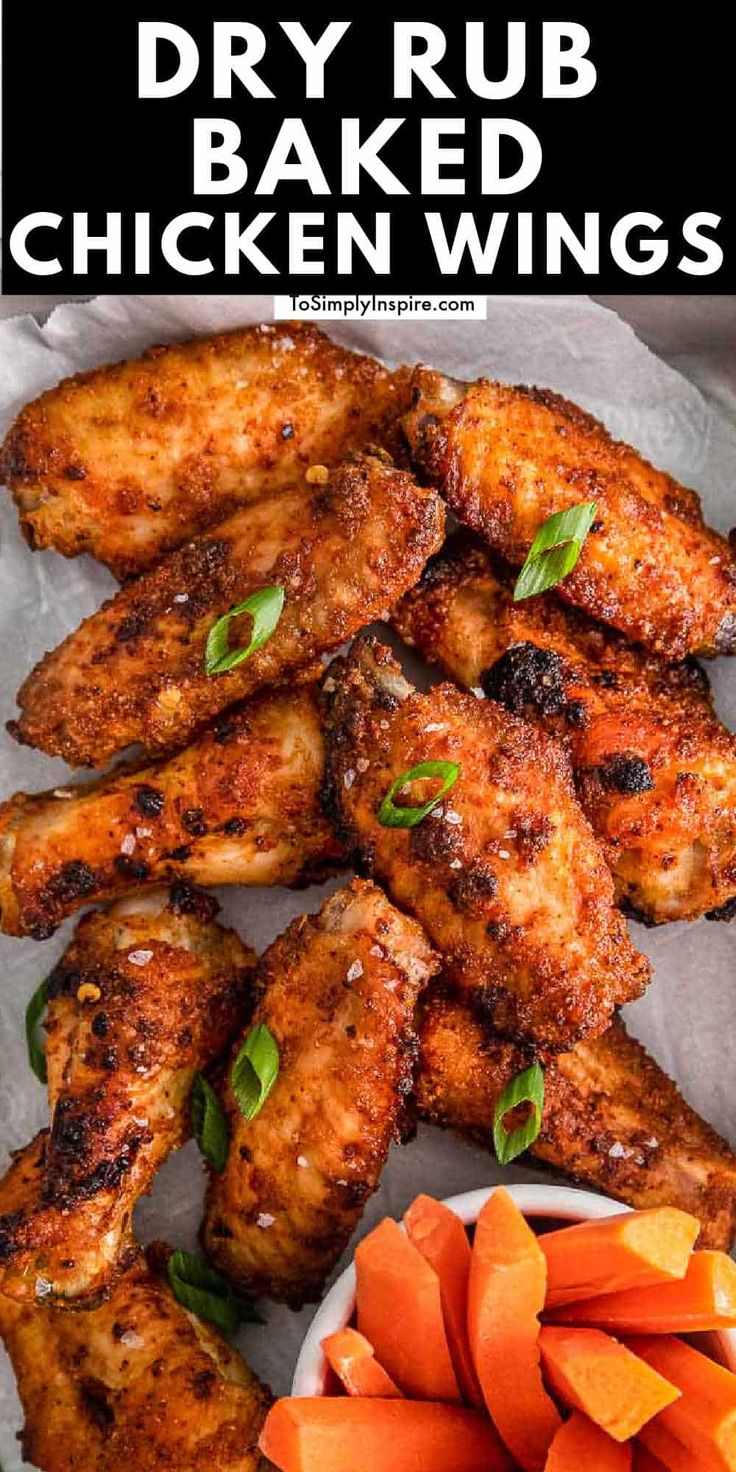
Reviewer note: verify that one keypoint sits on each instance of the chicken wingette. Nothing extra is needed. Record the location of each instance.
(131, 460)
(338, 994)
(239, 806)
(136, 1383)
(655, 769)
(146, 995)
(612, 1118)
(508, 458)
(342, 552)
(505, 873)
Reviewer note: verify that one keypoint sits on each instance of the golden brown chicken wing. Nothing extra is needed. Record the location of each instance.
(507, 458)
(505, 873)
(654, 767)
(339, 992)
(133, 459)
(239, 806)
(612, 1119)
(136, 1383)
(146, 995)
(135, 671)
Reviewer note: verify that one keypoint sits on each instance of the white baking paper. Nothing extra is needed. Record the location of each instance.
(567, 343)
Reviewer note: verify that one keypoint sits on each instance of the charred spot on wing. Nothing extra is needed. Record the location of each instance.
(632, 912)
(627, 774)
(527, 678)
(11, 1228)
(471, 888)
(149, 801)
(726, 911)
(186, 899)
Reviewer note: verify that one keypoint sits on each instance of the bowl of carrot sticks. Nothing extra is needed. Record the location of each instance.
(536, 1328)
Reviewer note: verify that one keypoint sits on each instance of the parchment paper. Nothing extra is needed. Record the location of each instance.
(567, 343)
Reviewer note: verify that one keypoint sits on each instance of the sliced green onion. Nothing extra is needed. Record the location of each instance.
(36, 1047)
(198, 1288)
(209, 1123)
(391, 816)
(526, 1088)
(255, 1071)
(265, 608)
(555, 550)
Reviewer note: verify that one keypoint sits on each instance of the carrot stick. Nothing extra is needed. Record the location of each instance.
(400, 1313)
(632, 1250)
(352, 1358)
(443, 1242)
(666, 1451)
(505, 1297)
(595, 1374)
(704, 1418)
(338, 1434)
(580, 1446)
(705, 1299)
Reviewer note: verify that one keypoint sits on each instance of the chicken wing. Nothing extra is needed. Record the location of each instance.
(146, 995)
(504, 874)
(612, 1119)
(338, 995)
(136, 1383)
(135, 671)
(133, 459)
(654, 767)
(507, 458)
(239, 806)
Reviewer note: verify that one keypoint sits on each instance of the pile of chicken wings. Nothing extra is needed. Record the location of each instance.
(589, 777)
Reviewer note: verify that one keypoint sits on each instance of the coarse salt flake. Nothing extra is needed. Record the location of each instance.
(349, 777)
(139, 958)
(452, 817)
(617, 1150)
(128, 844)
(302, 1162)
(264, 1220)
(354, 971)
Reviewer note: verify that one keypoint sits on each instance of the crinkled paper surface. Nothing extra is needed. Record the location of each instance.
(567, 343)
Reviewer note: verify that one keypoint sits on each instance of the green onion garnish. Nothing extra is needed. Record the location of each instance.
(209, 1124)
(391, 816)
(555, 550)
(255, 1071)
(36, 1048)
(198, 1288)
(265, 608)
(526, 1088)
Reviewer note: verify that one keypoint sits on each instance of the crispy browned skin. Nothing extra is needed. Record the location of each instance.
(239, 806)
(505, 875)
(136, 1383)
(507, 458)
(654, 767)
(612, 1119)
(134, 671)
(339, 992)
(131, 460)
(146, 995)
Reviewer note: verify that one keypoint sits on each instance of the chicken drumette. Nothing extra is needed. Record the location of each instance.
(505, 873)
(146, 995)
(338, 996)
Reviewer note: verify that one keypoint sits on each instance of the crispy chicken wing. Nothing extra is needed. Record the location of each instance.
(505, 874)
(133, 459)
(135, 1385)
(507, 458)
(654, 767)
(146, 995)
(239, 806)
(339, 992)
(613, 1120)
(134, 671)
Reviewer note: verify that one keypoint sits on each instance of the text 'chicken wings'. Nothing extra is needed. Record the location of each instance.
(654, 767)
(508, 458)
(239, 806)
(131, 460)
(612, 1119)
(146, 995)
(504, 873)
(135, 671)
(135, 1385)
(338, 995)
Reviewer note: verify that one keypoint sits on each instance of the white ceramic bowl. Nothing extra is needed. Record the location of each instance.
(563, 1203)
